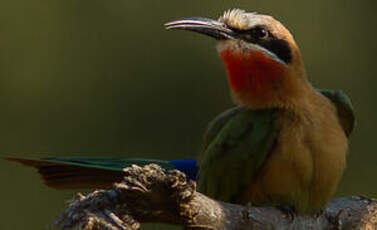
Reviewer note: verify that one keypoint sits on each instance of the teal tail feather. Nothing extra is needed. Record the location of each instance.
(82, 173)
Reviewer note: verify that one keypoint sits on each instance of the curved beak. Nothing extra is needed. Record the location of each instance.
(201, 25)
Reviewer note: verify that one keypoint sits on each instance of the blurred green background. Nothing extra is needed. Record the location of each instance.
(103, 78)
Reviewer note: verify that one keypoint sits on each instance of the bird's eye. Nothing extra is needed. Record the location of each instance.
(260, 32)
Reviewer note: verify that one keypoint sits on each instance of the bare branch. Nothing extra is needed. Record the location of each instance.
(148, 194)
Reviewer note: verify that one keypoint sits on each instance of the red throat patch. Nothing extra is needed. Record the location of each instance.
(254, 74)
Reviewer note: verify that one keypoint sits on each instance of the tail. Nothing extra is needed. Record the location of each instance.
(82, 173)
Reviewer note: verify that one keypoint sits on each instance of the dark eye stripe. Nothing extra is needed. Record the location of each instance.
(279, 47)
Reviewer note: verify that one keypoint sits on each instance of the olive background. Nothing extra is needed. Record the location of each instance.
(104, 78)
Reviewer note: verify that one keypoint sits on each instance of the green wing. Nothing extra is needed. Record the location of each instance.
(217, 124)
(236, 144)
(343, 106)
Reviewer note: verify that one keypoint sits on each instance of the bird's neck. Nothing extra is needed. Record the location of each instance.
(257, 81)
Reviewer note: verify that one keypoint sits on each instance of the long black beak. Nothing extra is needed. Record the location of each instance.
(205, 26)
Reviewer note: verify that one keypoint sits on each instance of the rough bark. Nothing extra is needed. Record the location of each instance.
(149, 194)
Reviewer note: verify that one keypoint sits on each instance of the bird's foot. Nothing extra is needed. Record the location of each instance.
(289, 211)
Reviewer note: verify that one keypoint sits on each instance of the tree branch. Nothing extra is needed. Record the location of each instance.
(148, 194)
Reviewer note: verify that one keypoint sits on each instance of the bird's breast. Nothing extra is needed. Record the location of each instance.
(306, 164)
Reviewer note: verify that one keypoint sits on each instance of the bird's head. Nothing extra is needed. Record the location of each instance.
(262, 60)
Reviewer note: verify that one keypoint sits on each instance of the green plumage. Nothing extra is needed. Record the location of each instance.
(244, 138)
(238, 141)
(343, 106)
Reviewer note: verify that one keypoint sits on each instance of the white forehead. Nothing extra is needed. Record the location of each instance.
(243, 20)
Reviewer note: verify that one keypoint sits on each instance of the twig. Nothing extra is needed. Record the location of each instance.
(149, 194)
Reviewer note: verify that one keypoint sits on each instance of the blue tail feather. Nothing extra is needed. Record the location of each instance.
(188, 166)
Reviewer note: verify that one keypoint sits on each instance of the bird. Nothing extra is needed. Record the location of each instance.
(283, 144)
(286, 142)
